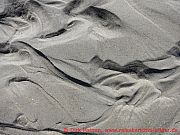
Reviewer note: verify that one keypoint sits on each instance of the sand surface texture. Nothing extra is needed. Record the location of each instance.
(89, 64)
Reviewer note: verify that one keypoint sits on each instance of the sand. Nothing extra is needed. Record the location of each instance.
(102, 64)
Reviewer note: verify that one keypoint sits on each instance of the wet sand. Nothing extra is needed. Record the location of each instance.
(88, 64)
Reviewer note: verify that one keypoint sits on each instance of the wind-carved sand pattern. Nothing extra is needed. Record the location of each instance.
(88, 64)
